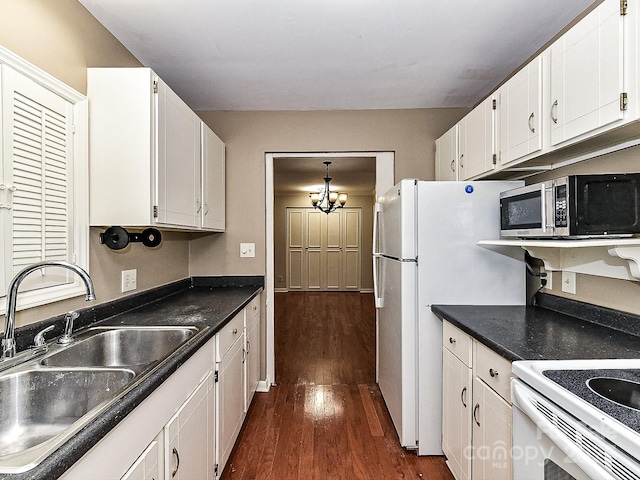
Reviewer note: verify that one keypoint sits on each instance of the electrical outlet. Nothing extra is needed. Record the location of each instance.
(247, 250)
(569, 282)
(548, 277)
(129, 280)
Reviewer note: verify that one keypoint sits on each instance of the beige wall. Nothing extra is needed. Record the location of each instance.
(63, 39)
(249, 135)
(281, 202)
(618, 294)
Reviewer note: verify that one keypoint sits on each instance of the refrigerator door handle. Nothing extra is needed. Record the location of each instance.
(377, 209)
(379, 302)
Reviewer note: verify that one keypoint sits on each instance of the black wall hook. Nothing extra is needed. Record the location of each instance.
(116, 238)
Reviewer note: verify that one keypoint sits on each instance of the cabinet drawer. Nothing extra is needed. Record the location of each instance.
(231, 332)
(494, 370)
(253, 310)
(457, 342)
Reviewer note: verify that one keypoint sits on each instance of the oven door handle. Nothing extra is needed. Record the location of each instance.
(522, 400)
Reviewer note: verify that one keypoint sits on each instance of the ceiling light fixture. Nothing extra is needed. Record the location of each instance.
(325, 200)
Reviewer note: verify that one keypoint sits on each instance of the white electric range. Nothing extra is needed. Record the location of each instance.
(564, 430)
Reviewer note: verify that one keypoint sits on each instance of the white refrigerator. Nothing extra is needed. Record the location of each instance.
(425, 253)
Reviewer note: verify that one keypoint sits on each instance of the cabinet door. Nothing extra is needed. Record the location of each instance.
(178, 160)
(252, 363)
(230, 403)
(189, 436)
(456, 415)
(476, 141)
(520, 103)
(213, 181)
(146, 467)
(491, 434)
(447, 155)
(587, 74)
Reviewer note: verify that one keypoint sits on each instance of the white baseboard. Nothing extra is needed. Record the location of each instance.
(263, 386)
(366, 290)
(281, 290)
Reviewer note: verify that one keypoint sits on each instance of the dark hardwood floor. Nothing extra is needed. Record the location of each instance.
(326, 418)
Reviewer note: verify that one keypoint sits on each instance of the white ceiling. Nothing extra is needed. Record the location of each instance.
(333, 54)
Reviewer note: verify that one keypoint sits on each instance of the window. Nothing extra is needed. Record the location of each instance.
(43, 181)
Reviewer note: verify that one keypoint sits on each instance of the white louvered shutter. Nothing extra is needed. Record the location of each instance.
(38, 158)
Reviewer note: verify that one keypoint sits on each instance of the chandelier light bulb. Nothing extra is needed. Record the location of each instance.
(326, 200)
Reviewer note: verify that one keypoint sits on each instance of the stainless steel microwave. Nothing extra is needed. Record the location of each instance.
(575, 206)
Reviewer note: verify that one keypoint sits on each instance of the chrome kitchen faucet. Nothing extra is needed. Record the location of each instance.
(9, 341)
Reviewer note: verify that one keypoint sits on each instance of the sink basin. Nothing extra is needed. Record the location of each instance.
(39, 404)
(617, 390)
(120, 347)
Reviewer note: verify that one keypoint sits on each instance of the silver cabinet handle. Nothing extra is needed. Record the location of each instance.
(206, 208)
(531, 127)
(462, 161)
(554, 112)
(462, 395)
(493, 373)
(476, 409)
(175, 470)
(235, 331)
(199, 205)
(453, 162)
(248, 346)
(452, 340)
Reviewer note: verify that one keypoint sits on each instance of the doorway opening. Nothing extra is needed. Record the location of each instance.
(380, 162)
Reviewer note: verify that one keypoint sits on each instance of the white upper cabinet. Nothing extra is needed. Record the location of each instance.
(146, 155)
(447, 155)
(519, 108)
(476, 141)
(586, 74)
(213, 181)
(577, 99)
(178, 160)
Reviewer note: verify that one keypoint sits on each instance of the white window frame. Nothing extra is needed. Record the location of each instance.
(79, 188)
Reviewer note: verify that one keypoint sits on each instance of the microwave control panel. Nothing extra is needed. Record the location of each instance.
(561, 206)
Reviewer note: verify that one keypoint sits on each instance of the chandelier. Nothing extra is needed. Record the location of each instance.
(325, 200)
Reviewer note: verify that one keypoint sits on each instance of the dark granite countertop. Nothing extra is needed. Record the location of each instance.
(550, 330)
(204, 301)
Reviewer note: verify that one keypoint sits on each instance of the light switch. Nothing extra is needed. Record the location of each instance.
(247, 250)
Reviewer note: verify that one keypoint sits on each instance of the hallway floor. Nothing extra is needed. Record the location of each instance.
(326, 418)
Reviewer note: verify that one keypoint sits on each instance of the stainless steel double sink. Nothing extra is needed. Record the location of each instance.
(46, 399)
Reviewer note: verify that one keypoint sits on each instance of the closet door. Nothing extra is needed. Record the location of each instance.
(333, 252)
(315, 253)
(295, 248)
(323, 251)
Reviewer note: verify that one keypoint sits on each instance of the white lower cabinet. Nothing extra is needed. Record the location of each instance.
(230, 402)
(189, 437)
(147, 467)
(456, 415)
(476, 425)
(491, 434)
(252, 360)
